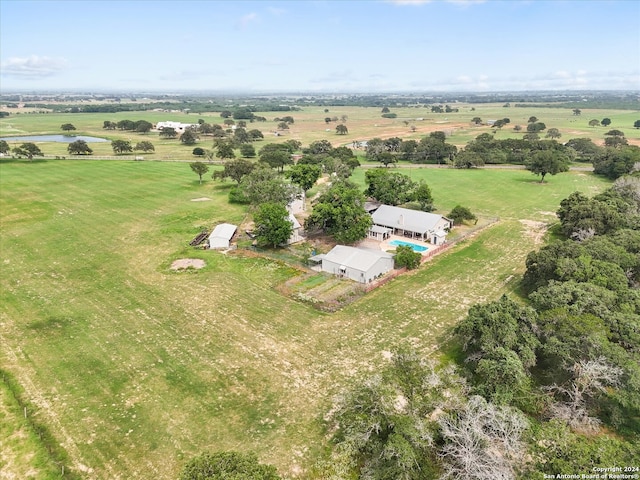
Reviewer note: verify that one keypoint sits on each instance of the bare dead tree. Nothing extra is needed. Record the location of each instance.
(589, 379)
(583, 234)
(482, 441)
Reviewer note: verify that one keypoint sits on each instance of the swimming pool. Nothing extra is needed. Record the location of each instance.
(416, 248)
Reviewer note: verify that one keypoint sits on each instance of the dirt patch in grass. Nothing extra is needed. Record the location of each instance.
(185, 263)
(535, 230)
(201, 199)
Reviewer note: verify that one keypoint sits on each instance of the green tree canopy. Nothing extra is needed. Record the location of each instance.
(304, 175)
(616, 162)
(28, 150)
(265, 185)
(501, 347)
(339, 211)
(255, 135)
(144, 146)
(189, 137)
(272, 225)
(423, 196)
(553, 133)
(461, 214)
(67, 127)
(247, 150)
(547, 162)
(406, 257)
(227, 466)
(585, 149)
(121, 146)
(168, 132)
(79, 147)
(536, 127)
(143, 126)
(319, 147)
(235, 169)
(276, 155)
(4, 146)
(199, 169)
(224, 149)
(390, 188)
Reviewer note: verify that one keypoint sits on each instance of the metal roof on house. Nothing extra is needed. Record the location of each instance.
(405, 219)
(361, 259)
(294, 221)
(379, 229)
(224, 230)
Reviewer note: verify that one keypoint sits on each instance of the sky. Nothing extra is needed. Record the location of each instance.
(331, 46)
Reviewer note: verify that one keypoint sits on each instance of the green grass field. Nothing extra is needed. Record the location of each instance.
(135, 368)
(363, 123)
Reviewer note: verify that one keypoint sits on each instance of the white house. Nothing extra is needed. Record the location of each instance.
(221, 236)
(177, 126)
(360, 264)
(425, 226)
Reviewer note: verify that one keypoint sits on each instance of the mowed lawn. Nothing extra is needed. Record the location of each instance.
(135, 368)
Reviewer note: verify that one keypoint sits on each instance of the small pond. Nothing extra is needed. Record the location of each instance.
(54, 138)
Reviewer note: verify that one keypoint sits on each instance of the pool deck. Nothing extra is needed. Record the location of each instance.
(385, 245)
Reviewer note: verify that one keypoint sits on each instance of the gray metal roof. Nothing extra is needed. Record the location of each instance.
(379, 229)
(361, 259)
(224, 230)
(405, 219)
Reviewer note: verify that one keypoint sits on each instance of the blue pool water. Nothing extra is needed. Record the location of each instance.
(416, 248)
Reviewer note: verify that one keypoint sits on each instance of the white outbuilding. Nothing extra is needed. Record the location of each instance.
(221, 236)
(360, 264)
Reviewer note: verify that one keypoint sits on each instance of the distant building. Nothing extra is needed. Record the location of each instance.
(177, 126)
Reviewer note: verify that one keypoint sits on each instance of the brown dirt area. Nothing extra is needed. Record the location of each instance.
(535, 230)
(185, 263)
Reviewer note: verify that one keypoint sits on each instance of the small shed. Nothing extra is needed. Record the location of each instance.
(221, 236)
(439, 237)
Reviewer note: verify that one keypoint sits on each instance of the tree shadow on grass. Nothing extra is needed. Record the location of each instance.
(22, 160)
(533, 180)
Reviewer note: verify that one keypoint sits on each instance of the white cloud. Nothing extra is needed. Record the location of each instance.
(276, 11)
(247, 19)
(32, 66)
(409, 2)
(463, 3)
(562, 74)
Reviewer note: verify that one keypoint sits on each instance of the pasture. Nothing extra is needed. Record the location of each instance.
(135, 368)
(363, 123)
